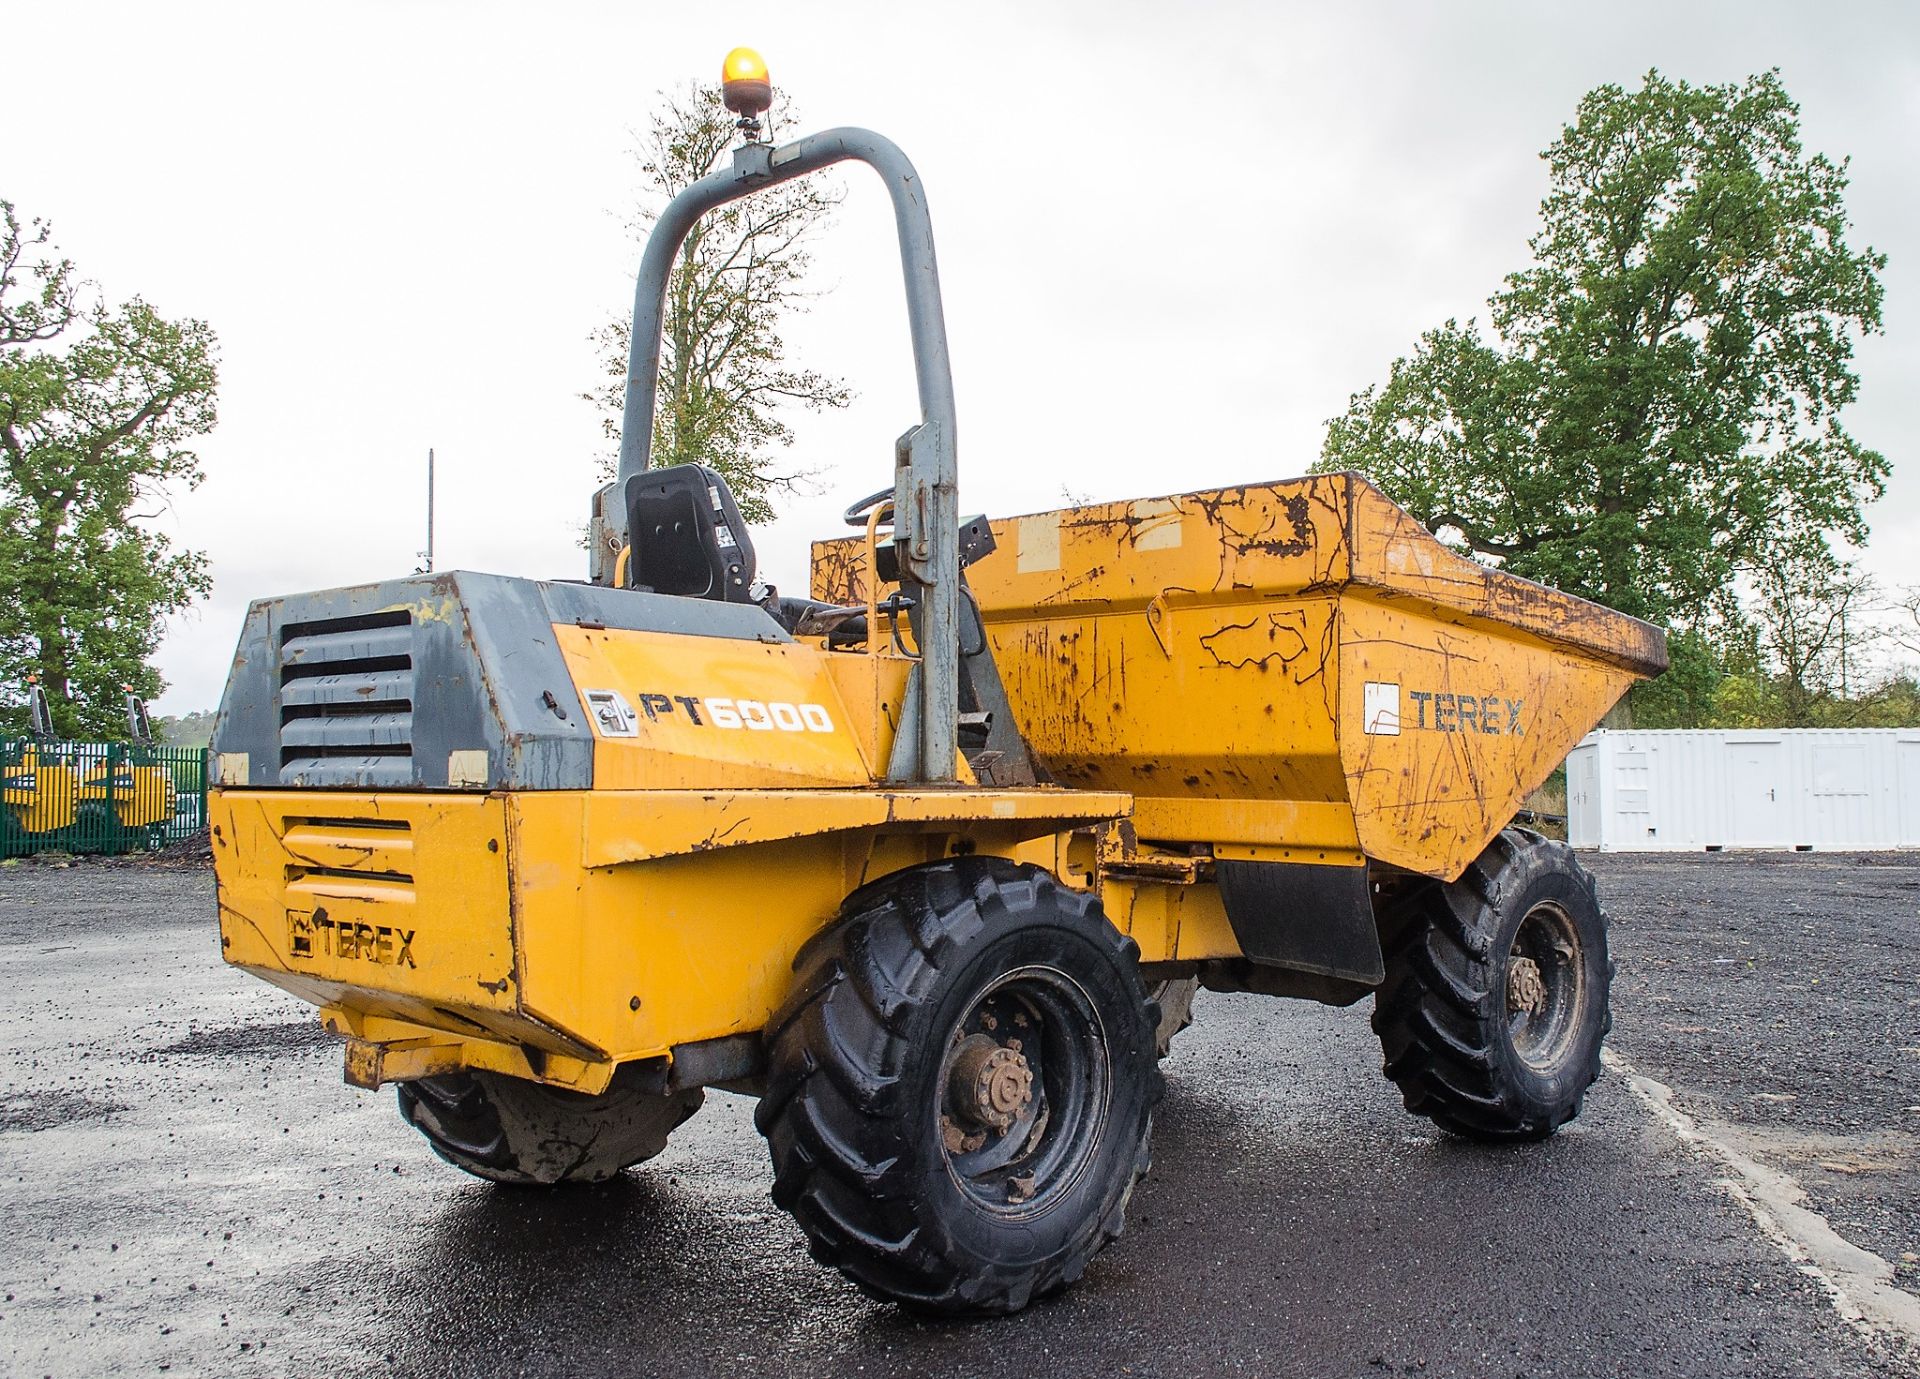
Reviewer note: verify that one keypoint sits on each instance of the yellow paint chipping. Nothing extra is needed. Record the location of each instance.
(1221, 678)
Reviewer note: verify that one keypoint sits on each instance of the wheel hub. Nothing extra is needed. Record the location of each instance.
(990, 1085)
(1545, 987)
(1022, 1091)
(1525, 990)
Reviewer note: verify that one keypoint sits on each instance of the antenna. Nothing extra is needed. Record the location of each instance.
(426, 556)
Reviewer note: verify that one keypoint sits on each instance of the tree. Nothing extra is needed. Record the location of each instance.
(1688, 693)
(98, 405)
(1659, 409)
(724, 375)
(1808, 647)
(1903, 629)
(1813, 619)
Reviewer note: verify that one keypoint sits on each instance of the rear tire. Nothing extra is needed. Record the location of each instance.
(960, 1092)
(1175, 1000)
(513, 1131)
(1496, 995)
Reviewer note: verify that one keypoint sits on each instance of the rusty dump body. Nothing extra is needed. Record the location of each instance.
(1295, 671)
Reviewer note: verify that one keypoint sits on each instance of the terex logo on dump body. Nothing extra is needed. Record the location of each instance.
(1493, 714)
(1469, 713)
(613, 716)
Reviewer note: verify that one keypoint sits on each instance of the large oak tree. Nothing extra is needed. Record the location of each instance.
(1658, 408)
(99, 405)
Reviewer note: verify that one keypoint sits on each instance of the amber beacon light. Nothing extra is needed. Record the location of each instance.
(744, 83)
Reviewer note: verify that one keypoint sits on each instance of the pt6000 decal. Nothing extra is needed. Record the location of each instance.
(613, 716)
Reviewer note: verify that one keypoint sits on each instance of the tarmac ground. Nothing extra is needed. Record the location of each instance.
(187, 1186)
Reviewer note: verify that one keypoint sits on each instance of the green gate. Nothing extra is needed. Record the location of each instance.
(98, 796)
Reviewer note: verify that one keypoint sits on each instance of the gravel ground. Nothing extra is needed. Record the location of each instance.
(1780, 994)
(190, 1189)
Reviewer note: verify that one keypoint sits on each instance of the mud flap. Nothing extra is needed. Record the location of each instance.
(1308, 918)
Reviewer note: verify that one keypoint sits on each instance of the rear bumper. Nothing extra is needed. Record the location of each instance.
(391, 908)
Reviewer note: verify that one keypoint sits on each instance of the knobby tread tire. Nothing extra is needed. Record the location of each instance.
(850, 1111)
(1442, 1015)
(1175, 1001)
(513, 1131)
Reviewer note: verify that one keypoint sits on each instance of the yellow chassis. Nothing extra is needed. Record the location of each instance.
(556, 934)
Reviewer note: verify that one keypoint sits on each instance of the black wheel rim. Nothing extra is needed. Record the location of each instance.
(1020, 1105)
(1545, 987)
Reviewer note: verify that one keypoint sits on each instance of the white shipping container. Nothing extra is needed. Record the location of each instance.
(1807, 789)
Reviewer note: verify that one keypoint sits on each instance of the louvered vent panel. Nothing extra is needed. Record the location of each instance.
(346, 701)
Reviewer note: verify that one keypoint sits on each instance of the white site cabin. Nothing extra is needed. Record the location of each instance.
(1802, 789)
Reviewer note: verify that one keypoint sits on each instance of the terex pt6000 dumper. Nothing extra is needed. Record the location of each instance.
(931, 861)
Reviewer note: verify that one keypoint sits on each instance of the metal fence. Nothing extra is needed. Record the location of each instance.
(98, 796)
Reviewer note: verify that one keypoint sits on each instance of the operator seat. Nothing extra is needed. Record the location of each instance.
(687, 536)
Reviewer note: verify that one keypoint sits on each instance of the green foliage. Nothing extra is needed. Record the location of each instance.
(1807, 614)
(97, 407)
(1684, 697)
(1659, 410)
(1894, 703)
(188, 730)
(724, 375)
(1809, 655)
(1772, 701)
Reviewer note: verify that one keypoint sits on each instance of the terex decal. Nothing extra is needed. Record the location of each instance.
(613, 716)
(1383, 716)
(1468, 713)
(316, 935)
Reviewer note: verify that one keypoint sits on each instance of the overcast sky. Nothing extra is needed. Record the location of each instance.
(1174, 238)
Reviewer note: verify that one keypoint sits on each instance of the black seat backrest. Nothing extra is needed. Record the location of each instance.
(687, 536)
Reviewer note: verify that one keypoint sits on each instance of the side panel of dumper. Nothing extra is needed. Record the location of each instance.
(1489, 679)
(1298, 669)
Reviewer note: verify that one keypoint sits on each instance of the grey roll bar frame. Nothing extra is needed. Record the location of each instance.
(926, 524)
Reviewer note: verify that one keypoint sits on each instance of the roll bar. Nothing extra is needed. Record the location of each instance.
(926, 474)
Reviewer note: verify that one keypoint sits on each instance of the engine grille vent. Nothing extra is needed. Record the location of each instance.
(346, 701)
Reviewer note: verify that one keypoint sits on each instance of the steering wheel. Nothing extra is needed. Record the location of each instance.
(856, 516)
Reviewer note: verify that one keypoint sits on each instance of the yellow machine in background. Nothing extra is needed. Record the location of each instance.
(38, 789)
(135, 791)
(85, 796)
(931, 861)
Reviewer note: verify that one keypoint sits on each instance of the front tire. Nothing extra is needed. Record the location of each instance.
(509, 1130)
(1496, 997)
(960, 1093)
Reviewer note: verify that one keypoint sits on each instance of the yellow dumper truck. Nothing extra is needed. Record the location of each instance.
(930, 860)
(83, 797)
